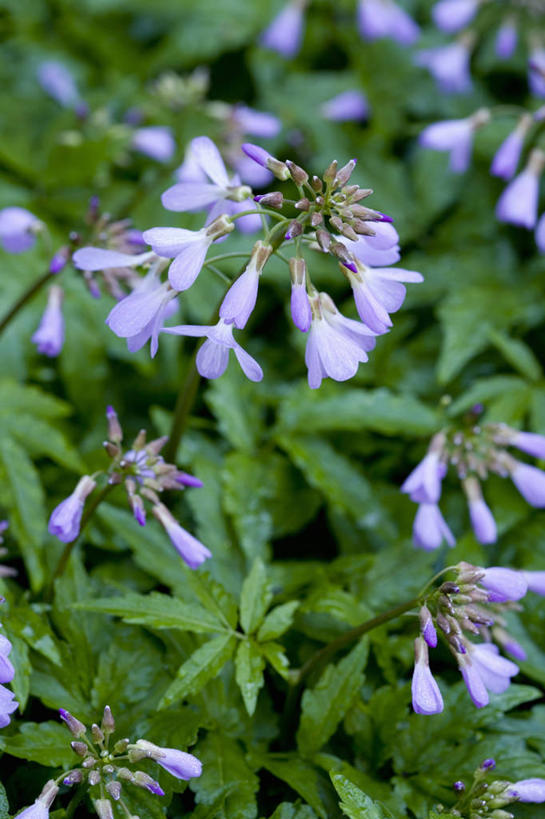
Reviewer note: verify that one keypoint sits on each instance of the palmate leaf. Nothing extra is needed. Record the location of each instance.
(204, 664)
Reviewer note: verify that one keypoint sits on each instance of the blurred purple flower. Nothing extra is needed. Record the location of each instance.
(430, 528)
(424, 482)
(454, 135)
(155, 141)
(18, 229)
(384, 18)
(540, 234)
(449, 65)
(285, 33)
(57, 81)
(49, 337)
(482, 520)
(504, 584)
(530, 482)
(536, 72)
(348, 106)
(452, 15)
(528, 790)
(506, 39)
(518, 203)
(508, 154)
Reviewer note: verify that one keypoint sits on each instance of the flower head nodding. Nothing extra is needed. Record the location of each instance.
(518, 203)
(65, 519)
(285, 33)
(18, 229)
(49, 337)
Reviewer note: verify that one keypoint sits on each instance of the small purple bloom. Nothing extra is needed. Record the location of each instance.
(100, 258)
(178, 763)
(530, 442)
(59, 260)
(452, 15)
(473, 680)
(191, 550)
(540, 234)
(185, 479)
(241, 297)
(213, 356)
(300, 307)
(349, 106)
(536, 72)
(518, 203)
(65, 519)
(528, 790)
(379, 291)
(506, 39)
(430, 528)
(257, 123)
(58, 82)
(504, 584)
(18, 229)
(8, 704)
(49, 337)
(488, 764)
(494, 670)
(427, 628)
(424, 482)
(449, 66)
(7, 672)
(426, 695)
(482, 521)
(285, 34)
(384, 18)
(535, 581)
(508, 154)
(530, 482)
(455, 136)
(155, 141)
(379, 250)
(266, 160)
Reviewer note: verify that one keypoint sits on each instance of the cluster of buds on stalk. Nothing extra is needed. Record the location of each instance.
(473, 451)
(145, 475)
(471, 605)
(487, 797)
(100, 771)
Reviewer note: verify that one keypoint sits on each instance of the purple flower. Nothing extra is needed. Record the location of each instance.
(506, 39)
(257, 123)
(503, 584)
(456, 136)
(213, 356)
(7, 672)
(18, 229)
(188, 547)
(100, 258)
(384, 18)
(349, 106)
(536, 72)
(508, 154)
(301, 312)
(58, 82)
(40, 808)
(530, 482)
(65, 519)
(178, 763)
(482, 521)
(59, 260)
(494, 670)
(449, 65)
(336, 345)
(540, 234)
(427, 628)
(426, 695)
(528, 790)
(8, 704)
(535, 581)
(424, 482)
(452, 15)
(49, 337)
(263, 158)
(530, 442)
(284, 35)
(155, 141)
(378, 291)
(518, 203)
(473, 680)
(241, 297)
(379, 250)
(430, 528)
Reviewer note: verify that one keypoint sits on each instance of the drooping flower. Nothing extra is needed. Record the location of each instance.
(379, 250)
(213, 356)
(494, 670)
(530, 482)
(449, 65)
(530, 442)
(430, 528)
(285, 33)
(427, 629)
(504, 584)
(426, 696)
(518, 203)
(535, 581)
(241, 297)
(18, 228)
(65, 519)
(57, 81)
(40, 808)
(379, 291)
(155, 141)
(424, 482)
(384, 18)
(452, 15)
(257, 123)
(101, 258)
(536, 72)
(481, 517)
(49, 337)
(8, 704)
(473, 680)
(348, 106)
(508, 154)
(301, 312)
(506, 39)
(178, 763)
(455, 136)
(528, 790)
(191, 550)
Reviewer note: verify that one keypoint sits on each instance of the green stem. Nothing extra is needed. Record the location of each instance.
(184, 403)
(26, 296)
(254, 212)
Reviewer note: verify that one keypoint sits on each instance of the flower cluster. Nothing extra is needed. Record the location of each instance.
(473, 451)
(8, 703)
(145, 475)
(100, 770)
(472, 604)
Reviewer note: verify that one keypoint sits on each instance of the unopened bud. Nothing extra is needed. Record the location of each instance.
(362, 228)
(317, 184)
(97, 734)
(115, 433)
(103, 808)
(298, 270)
(80, 748)
(297, 173)
(76, 727)
(344, 174)
(94, 777)
(316, 219)
(114, 479)
(275, 199)
(108, 722)
(140, 440)
(73, 778)
(220, 227)
(89, 762)
(361, 193)
(302, 204)
(331, 171)
(114, 789)
(324, 239)
(111, 449)
(295, 229)
(121, 746)
(48, 793)
(459, 786)
(144, 781)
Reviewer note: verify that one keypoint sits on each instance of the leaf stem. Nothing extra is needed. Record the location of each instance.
(34, 288)
(184, 402)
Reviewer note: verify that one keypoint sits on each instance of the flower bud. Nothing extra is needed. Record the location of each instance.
(297, 173)
(80, 748)
(77, 728)
(103, 808)
(115, 433)
(275, 199)
(97, 734)
(344, 174)
(331, 171)
(94, 777)
(73, 778)
(108, 722)
(114, 789)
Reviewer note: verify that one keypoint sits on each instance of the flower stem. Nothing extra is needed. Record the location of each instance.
(34, 288)
(184, 403)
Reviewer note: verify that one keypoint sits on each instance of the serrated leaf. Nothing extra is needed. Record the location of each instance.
(355, 803)
(251, 517)
(274, 653)
(47, 743)
(204, 664)
(277, 621)
(249, 665)
(254, 598)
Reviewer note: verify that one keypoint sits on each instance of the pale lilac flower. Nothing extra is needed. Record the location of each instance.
(430, 528)
(241, 297)
(100, 258)
(540, 234)
(506, 39)
(509, 644)
(482, 521)
(530, 482)
(536, 72)
(191, 550)
(530, 442)
(40, 808)
(518, 203)
(178, 763)
(155, 141)
(349, 106)
(384, 18)
(508, 154)
(427, 628)
(473, 680)
(285, 34)
(213, 356)
(379, 291)
(58, 82)
(65, 519)
(528, 790)
(49, 337)
(8, 704)
(379, 250)
(455, 136)
(7, 672)
(449, 66)
(504, 584)
(18, 229)
(251, 173)
(424, 482)
(301, 312)
(535, 581)
(257, 123)
(426, 696)
(452, 15)
(494, 670)
(336, 345)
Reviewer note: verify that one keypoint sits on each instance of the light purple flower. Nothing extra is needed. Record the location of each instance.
(535, 581)
(178, 763)
(155, 141)
(473, 680)
(536, 72)
(426, 696)
(349, 106)
(530, 442)
(241, 297)
(191, 550)
(528, 790)
(100, 258)
(18, 229)
(65, 519)
(518, 203)
(540, 234)
(424, 482)
(449, 66)
(250, 172)
(427, 628)
(506, 39)
(7, 672)
(482, 521)
(58, 82)
(452, 15)
(213, 356)
(59, 260)
(508, 154)
(285, 34)
(266, 160)
(49, 337)
(336, 345)
(379, 291)
(384, 18)
(530, 482)
(455, 136)
(301, 312)
(494, 670)
(8, 704)
(430, 528)
(257, 123)
(40, 808)
(503, 584)
(379, 250)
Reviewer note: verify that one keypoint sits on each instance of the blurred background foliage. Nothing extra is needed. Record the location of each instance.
(306, 482)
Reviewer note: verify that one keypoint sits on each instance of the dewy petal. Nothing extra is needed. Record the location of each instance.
(188, 196)
(206, 154)
(99, 258)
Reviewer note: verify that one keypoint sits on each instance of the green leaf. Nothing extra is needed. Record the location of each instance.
(355, 803)
(251, 516)
(232, 399)
(518, 354)
(287, 810)
(249, 665)
(324, 706)
(47, 743)
(41, 438)
(299, 775)
(18, 399)
(254, 598)
(275, 655)
(277, 621)
(4, 804)
(226, 779)
(204, 664)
